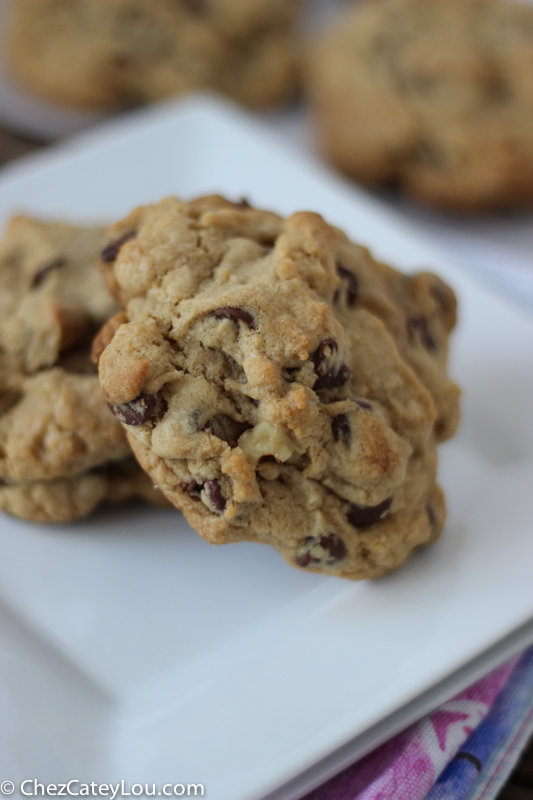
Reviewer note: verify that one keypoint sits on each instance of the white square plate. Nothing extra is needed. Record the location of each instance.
(134, 650)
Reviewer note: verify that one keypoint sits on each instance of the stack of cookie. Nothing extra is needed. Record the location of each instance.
(274, 381)
(61, 451)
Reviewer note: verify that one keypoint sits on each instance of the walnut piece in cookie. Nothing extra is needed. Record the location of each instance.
(433, 96)
(277, 382)
(62, 452)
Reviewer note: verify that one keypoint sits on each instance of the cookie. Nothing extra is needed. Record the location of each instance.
(61, 450)
(431, 95)
(278, 384)
(111, 53)
(68, 499)
(52, 298)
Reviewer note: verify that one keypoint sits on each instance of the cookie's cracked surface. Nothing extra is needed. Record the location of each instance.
(106, 53)
(433, 95)
(61, 451)
(278, 384)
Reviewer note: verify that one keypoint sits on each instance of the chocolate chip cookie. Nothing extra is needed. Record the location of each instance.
(278, 384)
(61, 451)
(431, 95)
(110, 53)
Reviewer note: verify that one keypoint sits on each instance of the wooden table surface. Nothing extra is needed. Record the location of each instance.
(520, 784)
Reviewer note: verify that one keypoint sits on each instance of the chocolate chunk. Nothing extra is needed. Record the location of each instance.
(196, 7)
(121, 61)
(352, 285)
(243, 203)
(418, 325)
(304, 559)
(290, 374)
(214, 494)
(365, 404)
(137, 412)
(42, 273)
(193, 489)
(226, 428)
(111, 250)
(430, 155)
(340, 428)
(332, 547)
(323, 355)
(364, 516)
(333, 379)
(324, 359)
(235, 314)
(343, 375)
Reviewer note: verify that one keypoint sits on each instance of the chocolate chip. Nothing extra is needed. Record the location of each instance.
(214, 495)
(122, 61)
(328, 376)
(42, 273)
(193, 489)
(332, 547)
(340, 428)
(418, 325)
(352, 285)
(365, 404)
(196, 7)
(111, 250)
(333, 379)
(304, 559)
(226, 428)
(235, 314)
(243, 203)
(323, 354)
(431, 155)
(290, 374)
(343, 375)
(137, 412)
(364, 516)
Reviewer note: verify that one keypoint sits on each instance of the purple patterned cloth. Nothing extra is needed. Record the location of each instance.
(407, 766)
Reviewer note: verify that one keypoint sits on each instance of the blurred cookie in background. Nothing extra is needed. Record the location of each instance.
(435, 96)
(97, 54)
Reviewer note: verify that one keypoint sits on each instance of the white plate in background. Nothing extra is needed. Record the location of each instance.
(134, 650)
